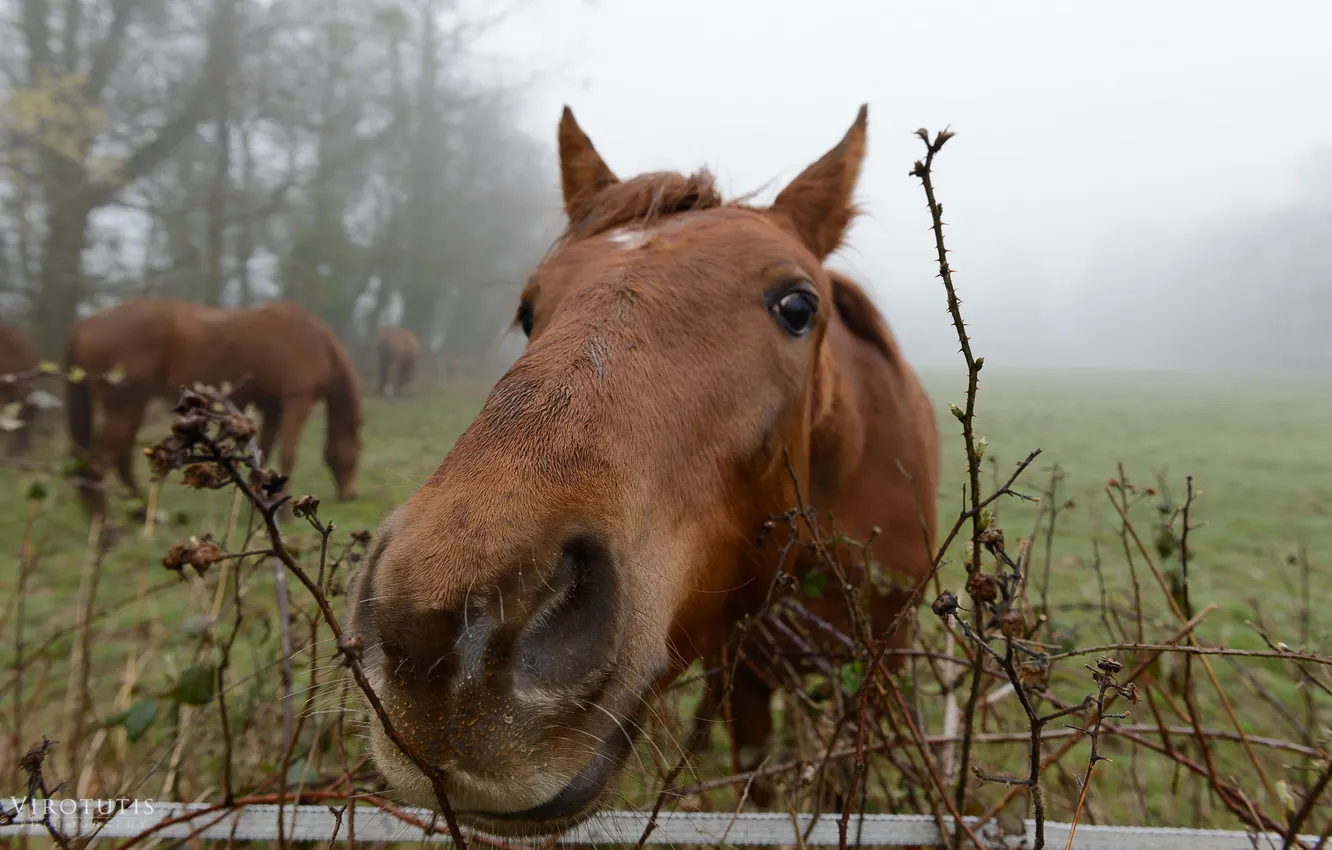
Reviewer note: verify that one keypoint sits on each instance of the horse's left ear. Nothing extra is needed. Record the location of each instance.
(818, 202)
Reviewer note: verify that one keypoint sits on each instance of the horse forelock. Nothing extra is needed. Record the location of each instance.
(643, 199)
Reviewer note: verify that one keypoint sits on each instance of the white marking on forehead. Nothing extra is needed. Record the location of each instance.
(629, 237)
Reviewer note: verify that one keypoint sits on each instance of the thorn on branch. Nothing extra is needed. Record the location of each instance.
(350, 648)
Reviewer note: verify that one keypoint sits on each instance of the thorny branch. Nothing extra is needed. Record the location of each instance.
(213, 442)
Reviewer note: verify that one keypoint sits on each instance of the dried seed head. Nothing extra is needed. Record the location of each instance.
(238, 428)
(204, 555)
(190, 425)
(165, 456)
(267, 482)
(765, 531)
(305, 506)
(1012, 624)
(189, 400)
(176, 556)
(1108, 665)
(992, 538)
(1034, 675)
(985, 588)
(945, 605)
(203, 476)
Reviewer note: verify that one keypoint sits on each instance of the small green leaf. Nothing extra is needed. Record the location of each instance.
(117, 719)
(140, 717)
(195, 686)
(813, 583)
(72, 466)
(853, 673)
(37, 491)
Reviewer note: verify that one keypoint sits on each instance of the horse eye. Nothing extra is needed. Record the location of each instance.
(795, 312)
(525, 318)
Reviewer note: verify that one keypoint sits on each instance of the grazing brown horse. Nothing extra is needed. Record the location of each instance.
(398, 350)
(277, 357)
(597, 527)
(18, 355)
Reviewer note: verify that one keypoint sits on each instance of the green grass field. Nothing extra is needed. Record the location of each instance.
(1257, 451)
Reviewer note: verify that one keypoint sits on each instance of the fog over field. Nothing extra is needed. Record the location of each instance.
(1147, 186)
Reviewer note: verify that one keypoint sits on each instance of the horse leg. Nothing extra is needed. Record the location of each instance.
(123, 414)
(295, 410)
(750, 725)
(269, 414)
(385, 374)
(706, 715)
(408, 370)
(751, 728)
(22, 441)
(124, 450)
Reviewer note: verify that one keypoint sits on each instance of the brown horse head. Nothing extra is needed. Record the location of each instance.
(594, 530)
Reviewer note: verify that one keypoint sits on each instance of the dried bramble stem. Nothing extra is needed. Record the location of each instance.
(214, 443)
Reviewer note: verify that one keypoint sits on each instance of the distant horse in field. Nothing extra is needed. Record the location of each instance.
(398, 350)
(18, 355)
(278, 357)
(691, 363)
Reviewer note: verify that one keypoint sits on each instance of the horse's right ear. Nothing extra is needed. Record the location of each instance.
(583, 172)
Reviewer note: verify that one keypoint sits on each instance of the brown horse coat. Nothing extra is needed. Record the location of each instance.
(278, 357)
(398, 350)
(18, 354)
(598, 526)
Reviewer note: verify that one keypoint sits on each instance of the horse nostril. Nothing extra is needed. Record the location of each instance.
(583, 570)
(569, 636)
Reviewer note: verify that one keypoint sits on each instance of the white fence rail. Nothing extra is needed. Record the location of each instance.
(75, 818)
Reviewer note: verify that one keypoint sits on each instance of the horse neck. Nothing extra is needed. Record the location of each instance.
(341, 398)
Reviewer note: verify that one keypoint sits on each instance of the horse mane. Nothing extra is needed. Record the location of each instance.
(861, 317)
(642, 198)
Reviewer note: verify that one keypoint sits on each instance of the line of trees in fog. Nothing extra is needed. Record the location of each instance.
(1245, 290)
(336, 152)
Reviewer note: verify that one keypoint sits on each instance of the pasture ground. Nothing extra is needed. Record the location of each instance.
(1257, 449)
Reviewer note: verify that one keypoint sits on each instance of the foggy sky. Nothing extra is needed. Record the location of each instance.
(1082, 128)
